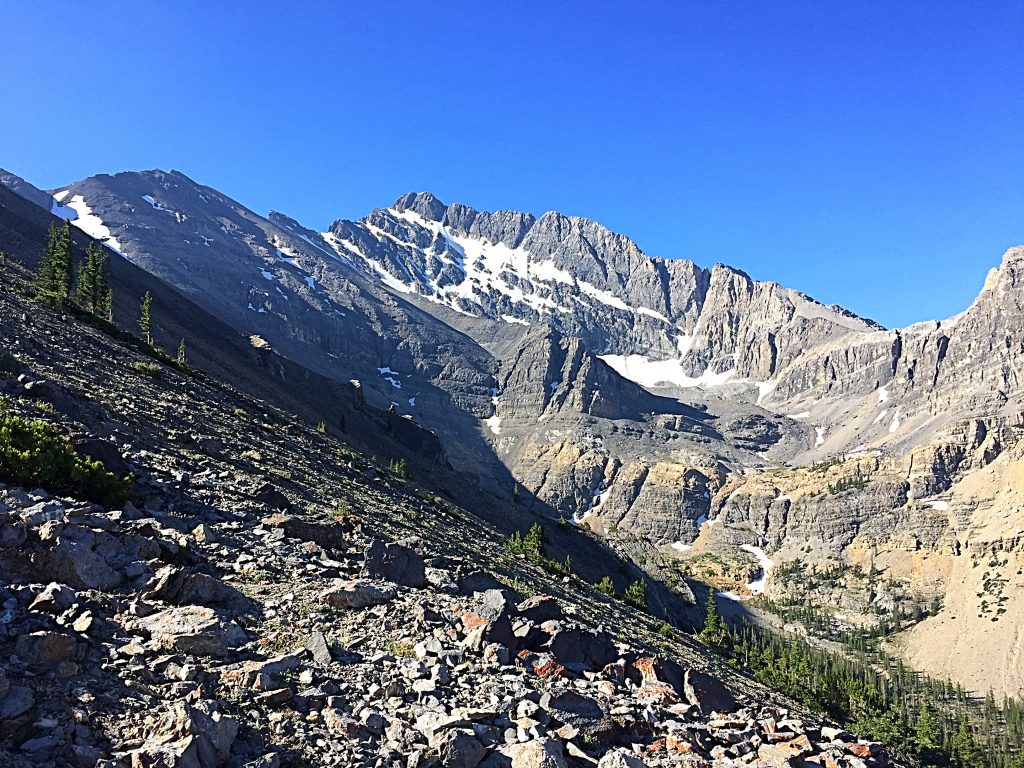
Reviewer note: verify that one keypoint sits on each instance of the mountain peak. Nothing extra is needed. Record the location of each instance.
(423, 203)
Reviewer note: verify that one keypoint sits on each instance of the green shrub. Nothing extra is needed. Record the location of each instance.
(636, 595)
(400, 468)
(34, 454)
(150, 369)
(606, 586)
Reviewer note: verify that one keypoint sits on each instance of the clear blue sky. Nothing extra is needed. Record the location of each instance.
(868, 153)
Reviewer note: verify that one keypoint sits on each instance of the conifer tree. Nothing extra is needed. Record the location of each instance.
(181, 352)
(715, 633)
(92, 287)
(146, 317)
(53, 278)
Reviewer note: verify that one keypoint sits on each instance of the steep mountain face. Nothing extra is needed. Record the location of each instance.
(682, 412)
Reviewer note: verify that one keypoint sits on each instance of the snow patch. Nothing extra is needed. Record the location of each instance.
(679, 546)
(652, 373)
(494, 424)
(801, 415)
(267, 275)
(819, 436)
(605, 297)
(757, 586)
(939, 505)
(883, 395)
(895, 423)
(652, 313)
(90, 223)
(514, 320)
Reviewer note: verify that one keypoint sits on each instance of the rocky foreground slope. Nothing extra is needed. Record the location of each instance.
(271, 597)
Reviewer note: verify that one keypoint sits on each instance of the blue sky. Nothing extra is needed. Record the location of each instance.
(867, 153)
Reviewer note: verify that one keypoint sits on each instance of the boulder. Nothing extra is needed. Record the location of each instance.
(17, 702)
(174, 585)
(620, 758)
(188, 737)
(54, 598)
(460, 748)
(192, 629)
(75, 563)
(541, 608)
(327, 533)
(708, 693)
(396, 563)
(356, 594)
(273, 498)
(576, 648)
(45, 647)
(540, 753)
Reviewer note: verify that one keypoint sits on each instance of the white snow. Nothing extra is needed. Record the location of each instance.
(680, 546)
(883, 395)
(801, 415)
(731, 596)
(554, 385)
(387, 370)
(652, 373)
(393, 382)
(267, 275)
(895, 423)
(62, 211)
(819, 436)
(412, 401)
(880, 416)
(757, 586)
(494, 424)
(91, 224)
(652, 313)
(605, 297)
(683, 343)
(763, 388)
(547, 271)
(940, 505)
(514, 320)
(311, 282)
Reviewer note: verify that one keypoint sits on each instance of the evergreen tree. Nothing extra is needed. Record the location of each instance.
(964, 749)
(636, 595)
(715, 633)
(53, 278)
(146, 317)
(181, 352)
(107, 310)
(92, 288)
(927, 733)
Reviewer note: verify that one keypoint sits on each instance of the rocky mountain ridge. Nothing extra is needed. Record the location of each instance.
(661, 404)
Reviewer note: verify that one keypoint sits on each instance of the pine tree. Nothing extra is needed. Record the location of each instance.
(146, 317)
(53, 278)
(107, 311)
(927, 734)
(636, 595)
(964, 749)
(181, 353)
(715, 633)
(63, 262)
(92, 287)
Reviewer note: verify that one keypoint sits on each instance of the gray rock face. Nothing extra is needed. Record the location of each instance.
(558, 362)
